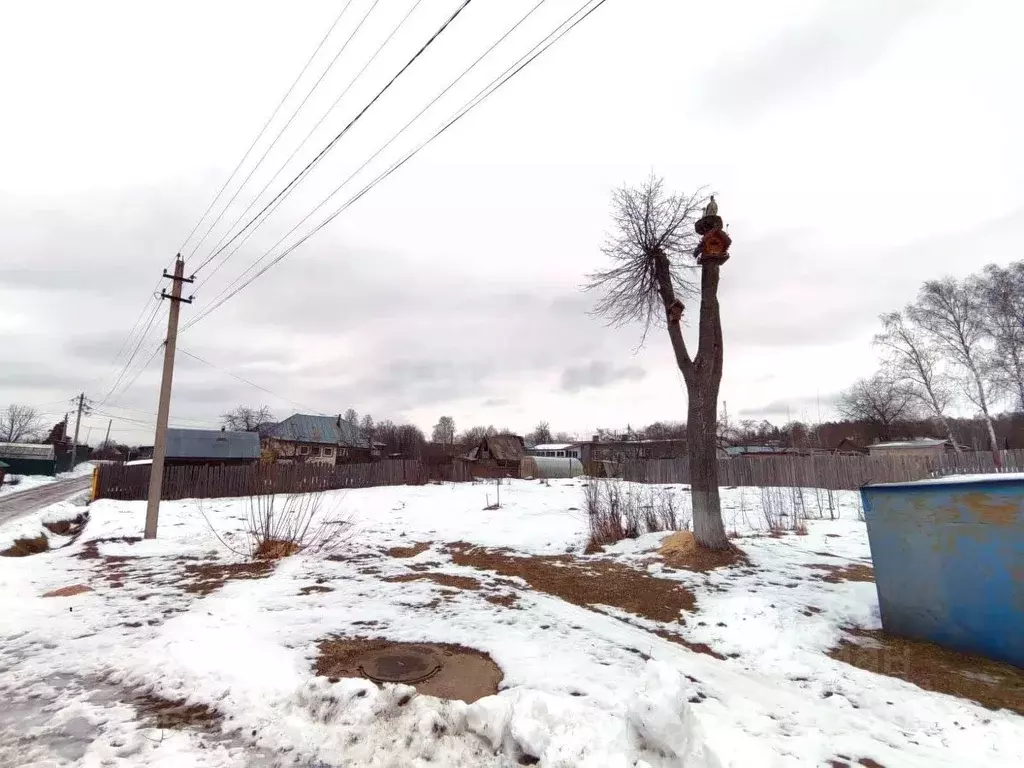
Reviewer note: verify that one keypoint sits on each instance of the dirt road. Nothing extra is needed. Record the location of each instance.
(15, 505)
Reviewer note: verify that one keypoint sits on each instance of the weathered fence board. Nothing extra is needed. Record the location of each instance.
(831, 472)
(116, 481)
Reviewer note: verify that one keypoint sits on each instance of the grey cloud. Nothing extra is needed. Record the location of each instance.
(806, 406)
(839, 42)
(597, 374)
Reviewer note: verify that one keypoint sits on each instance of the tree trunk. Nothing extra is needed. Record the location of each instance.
(708, 529)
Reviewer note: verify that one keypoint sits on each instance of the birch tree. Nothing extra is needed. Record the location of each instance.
(1002, 297)
(915, 362)
(951, 314)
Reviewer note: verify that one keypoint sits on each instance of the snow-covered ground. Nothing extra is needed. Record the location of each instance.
(28, 482)
(583, 686)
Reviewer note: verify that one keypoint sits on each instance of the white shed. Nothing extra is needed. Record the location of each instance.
(549, 467)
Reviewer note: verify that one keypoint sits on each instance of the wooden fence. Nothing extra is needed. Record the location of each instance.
(116, 481)
(831, 472)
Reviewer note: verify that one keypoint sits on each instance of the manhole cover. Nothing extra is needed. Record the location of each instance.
(400, 665)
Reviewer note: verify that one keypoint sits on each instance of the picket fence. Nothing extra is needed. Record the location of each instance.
(830, 472)
(116, 481)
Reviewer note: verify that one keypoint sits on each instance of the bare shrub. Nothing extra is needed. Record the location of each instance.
(782, 509)
(281, 525)
(617, 510)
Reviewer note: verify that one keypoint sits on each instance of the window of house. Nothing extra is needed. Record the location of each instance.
(328, 452)
(303, 450)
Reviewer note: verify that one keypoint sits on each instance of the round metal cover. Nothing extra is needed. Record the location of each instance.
(400, 665)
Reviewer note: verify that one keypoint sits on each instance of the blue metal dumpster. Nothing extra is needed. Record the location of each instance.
(949, 561)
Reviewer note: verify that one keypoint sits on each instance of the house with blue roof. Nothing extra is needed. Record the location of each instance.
(326, 440)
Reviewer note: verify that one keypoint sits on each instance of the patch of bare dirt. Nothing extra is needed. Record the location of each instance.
(415, 549)
(444, 579)
(74, 589)
(584, 582)
(30, 545)
(91, 549)
(167, 713)
(314, 588)
(465, 674)
(509, 600)
(695, 647)
(990, 683)
(71, 527)
(204, 578)
(836, 574)
(680, 550)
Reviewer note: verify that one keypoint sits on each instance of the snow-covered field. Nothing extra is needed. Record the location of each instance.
(583, 685)
(28, 482)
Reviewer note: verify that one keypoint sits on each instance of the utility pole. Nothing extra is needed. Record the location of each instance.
(156, 473)
(78, 422)
(106, 440)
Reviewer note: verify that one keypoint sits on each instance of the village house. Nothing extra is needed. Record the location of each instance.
(324, 440)
(497, 456)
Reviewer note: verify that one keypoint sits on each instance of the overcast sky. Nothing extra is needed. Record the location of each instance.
(857, 149)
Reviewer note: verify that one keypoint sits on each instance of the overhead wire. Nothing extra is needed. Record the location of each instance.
(250, 383)
(260, 134)
(217, 248)
(374, 156)
(480, 97)
(134, 354)
(288, 188)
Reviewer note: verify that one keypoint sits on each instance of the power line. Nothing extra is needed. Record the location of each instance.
(138, 373)
(481, 96)
(330, 145)
(260, 135)
(217, 248)
(135, 352)
(390, 141)
(280, 133)
(250, 383)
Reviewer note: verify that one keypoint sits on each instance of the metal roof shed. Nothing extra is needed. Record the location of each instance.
(211, 445)
(29, 458)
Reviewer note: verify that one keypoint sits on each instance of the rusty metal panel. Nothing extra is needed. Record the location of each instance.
(949, 562)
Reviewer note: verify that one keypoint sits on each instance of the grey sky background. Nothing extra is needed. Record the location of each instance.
(858, 148)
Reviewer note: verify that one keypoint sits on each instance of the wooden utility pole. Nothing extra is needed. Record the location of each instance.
(106, 440)
(78, 422)
(156, 473)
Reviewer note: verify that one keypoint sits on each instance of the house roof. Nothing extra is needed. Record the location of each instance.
(554, 446)
(327, 430)
(739, 450)
(502, 447)
(26, 451)
(211, 444)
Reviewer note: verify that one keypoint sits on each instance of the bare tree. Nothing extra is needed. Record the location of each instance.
(1002, 297)
(246, 419)
(351, 417)
(367, 426)
(880, 401)
(653, 231)
(541, 434)
(915, 362)
(19, 423)
(951, 314)
(444, 432)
